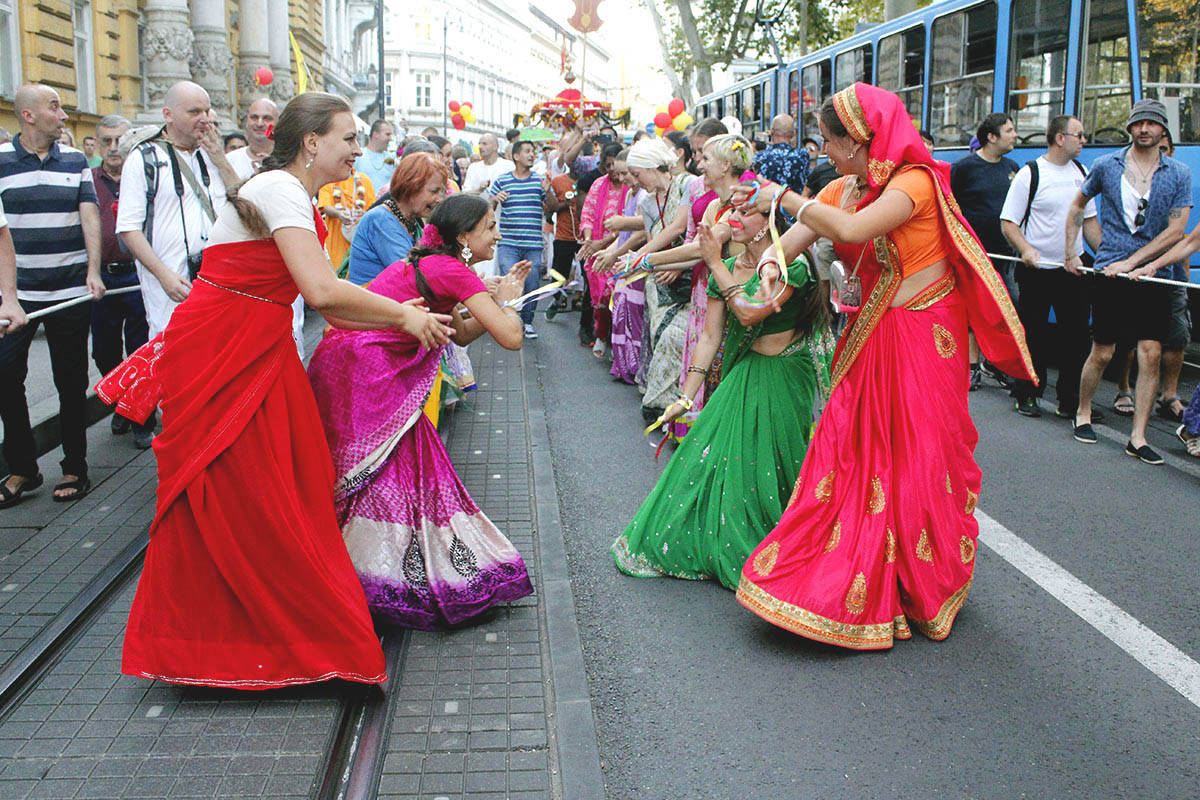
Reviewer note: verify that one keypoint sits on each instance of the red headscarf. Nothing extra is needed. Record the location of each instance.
(879, 119)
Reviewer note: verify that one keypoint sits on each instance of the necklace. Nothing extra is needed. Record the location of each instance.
(1145, 177)
(413, 226)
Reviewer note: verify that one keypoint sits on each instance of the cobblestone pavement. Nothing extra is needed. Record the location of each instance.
(474, 710)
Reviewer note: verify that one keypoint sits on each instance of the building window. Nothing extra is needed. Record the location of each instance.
(387, 90)
(85, 65)
(423, 81)
(10, 48)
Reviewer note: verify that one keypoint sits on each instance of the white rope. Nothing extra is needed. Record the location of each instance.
(72, 302)
(1094, 271)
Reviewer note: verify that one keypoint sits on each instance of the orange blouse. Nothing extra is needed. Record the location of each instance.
(919, 239)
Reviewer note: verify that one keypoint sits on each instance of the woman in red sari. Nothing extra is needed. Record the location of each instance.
(879, 536)
(247, 583)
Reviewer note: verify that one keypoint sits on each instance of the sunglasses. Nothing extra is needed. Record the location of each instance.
(1140, 219)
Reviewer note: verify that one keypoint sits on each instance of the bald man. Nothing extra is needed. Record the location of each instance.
(46, 189)
(165, 214)
(489, 166)
(782, 162)
(260, 117)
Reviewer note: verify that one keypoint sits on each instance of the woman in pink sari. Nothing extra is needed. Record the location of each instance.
(426, 555)
(605, 199)
(880, 534)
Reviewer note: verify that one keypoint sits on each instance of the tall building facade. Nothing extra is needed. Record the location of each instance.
(121, 56)
(499, 56)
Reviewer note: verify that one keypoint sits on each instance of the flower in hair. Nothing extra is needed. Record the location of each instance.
(271, 132)
(738, 146)
(432, 237)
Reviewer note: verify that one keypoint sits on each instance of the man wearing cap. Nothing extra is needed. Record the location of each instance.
(1144, 201)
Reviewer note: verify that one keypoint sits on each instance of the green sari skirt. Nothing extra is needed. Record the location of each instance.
(729, 481)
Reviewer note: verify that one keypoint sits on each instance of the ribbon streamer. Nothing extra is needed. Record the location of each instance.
(48, 310)
(557, 281)
(779, 254)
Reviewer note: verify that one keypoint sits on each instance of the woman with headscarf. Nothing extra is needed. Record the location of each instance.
(668, 294)
(880, 534)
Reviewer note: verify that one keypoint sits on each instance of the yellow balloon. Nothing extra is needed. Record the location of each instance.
(678, 123)
(687, 118)
(659, 131)
(661, 110)
(469, 116)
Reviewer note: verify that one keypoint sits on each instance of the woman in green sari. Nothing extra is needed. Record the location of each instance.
(729, 481)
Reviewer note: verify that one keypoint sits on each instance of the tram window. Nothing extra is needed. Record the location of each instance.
(793, 100)
(1037, 68)
(960, 94)
(719, 107)
(751, 108)
(902, 67)
(1107, 76)
(815, 85)
(1170, 63)
(853, 65)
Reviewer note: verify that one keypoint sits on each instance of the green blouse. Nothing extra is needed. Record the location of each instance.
(799, 277)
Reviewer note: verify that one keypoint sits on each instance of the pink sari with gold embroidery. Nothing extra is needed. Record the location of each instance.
(880, 535)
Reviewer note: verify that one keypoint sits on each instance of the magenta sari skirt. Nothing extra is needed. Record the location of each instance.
(880, 534)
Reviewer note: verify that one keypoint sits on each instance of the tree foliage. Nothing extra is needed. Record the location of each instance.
(698, 35)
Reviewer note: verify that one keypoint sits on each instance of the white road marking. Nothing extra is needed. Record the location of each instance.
(1154, 652)
(1189, 465)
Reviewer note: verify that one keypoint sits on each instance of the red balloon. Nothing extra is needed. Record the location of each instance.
(458, 121)
(467, 104)
(263, 76)
(662, 119)
(455, 105)
(675, 108)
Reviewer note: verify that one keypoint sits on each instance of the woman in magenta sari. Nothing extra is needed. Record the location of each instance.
(426, 555)
(880, 534)
(605, 199)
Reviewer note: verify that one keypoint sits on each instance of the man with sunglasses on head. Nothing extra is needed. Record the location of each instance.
(1144, 201)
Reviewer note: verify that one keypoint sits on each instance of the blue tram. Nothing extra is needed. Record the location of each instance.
(956, 61)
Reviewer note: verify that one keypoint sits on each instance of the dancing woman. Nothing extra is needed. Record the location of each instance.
(880, 532)
(426, 555)
(247, 583)
(726, 484)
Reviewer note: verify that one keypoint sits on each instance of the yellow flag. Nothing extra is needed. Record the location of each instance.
(301, 70)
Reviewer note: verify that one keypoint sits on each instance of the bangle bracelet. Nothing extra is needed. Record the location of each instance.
(804, 205)
(685, 401)
(698, 370)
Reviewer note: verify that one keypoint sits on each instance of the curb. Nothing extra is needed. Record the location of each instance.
(574, 725)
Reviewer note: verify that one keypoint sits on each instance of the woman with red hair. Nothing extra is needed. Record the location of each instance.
(389, 230)
(879, 536)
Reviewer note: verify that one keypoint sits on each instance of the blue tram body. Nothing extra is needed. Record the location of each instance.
(954, 62)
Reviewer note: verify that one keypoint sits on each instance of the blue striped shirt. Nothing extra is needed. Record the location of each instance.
(41, 199)
(521, 214)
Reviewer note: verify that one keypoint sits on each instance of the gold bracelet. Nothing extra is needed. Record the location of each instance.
(698, 370)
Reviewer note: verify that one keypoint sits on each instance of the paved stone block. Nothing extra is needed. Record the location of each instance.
(242, 786)
(285, 785)
(399, 782)
(56, 788)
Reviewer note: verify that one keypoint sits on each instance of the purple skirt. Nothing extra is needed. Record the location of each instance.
(628, 324)
(426, 555)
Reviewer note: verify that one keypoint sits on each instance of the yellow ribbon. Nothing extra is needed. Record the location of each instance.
(557, 281)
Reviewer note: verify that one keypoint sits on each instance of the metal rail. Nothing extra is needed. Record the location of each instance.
(1094, 271)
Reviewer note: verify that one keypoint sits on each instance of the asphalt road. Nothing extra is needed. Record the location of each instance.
(694, 697)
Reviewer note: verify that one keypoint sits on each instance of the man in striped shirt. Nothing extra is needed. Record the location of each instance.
(47, 193)
(520, 196)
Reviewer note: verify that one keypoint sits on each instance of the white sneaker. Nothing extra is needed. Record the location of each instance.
(598, 348)
(530, 333)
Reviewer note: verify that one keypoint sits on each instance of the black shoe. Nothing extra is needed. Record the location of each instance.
(120, 425)
(999, 377)
(1084, 433)
(1144, 453)
(1027, 407)
(553, 310)
(143, 439)
(976, 378)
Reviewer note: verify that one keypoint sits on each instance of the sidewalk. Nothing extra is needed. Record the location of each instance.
(498, 709)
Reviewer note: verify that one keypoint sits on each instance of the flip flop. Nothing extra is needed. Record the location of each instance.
(1123, 409)
(81, 486)
(10, 497)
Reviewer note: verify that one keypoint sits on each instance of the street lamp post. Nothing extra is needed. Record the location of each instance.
(445, 75)
(382, 75)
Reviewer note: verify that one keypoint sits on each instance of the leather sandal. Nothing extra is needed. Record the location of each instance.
(1123, 404)
(82, 487)
(1166, 409)
(10, 497)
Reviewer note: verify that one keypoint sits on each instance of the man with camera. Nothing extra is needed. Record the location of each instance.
(172, 188)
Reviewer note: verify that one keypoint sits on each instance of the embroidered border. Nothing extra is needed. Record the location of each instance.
(938, 628)
(931, 294)
(876, 306)
(850, 112)
(875, 636)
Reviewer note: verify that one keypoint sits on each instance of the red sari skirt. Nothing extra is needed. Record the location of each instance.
(879, 535)
(247, 582)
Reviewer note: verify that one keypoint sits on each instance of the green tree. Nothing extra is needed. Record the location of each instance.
(697, 35)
